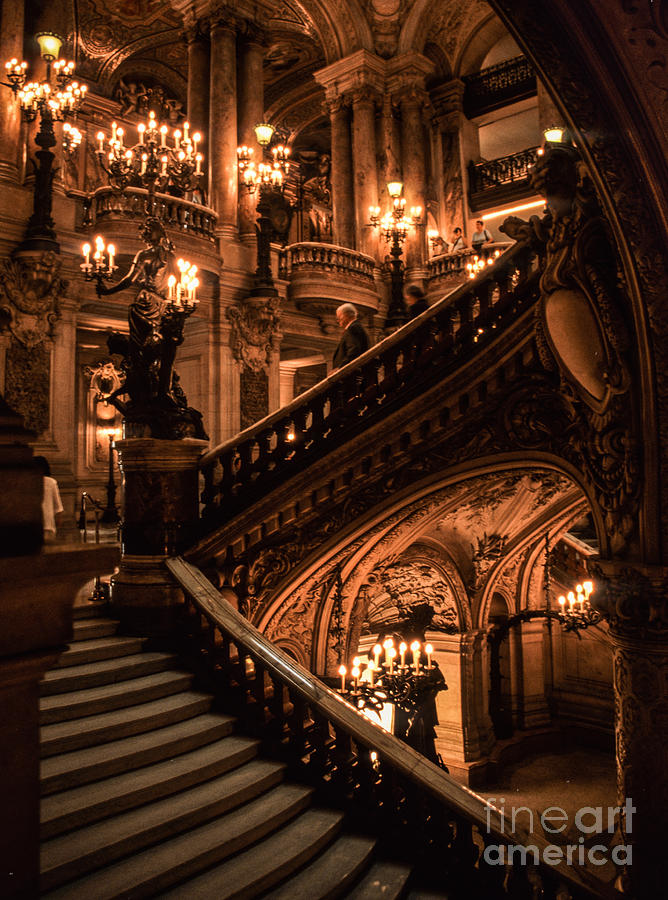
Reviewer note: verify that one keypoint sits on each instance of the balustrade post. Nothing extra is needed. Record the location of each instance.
(160, 508)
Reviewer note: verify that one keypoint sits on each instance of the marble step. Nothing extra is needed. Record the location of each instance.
(111, 726)
(107, 697)
(106, 671)
(85, 629)
(151, 872)
(80, 852)
(256, 870)
(331, 874)
(93, 802)
(67, 771)
(89, 651)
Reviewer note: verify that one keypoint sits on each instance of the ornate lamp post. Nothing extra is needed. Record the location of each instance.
(110, 513)
(394, 227)
(53, 99)
(167, 287)
(265, 178)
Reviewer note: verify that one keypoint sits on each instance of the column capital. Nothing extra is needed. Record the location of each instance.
(408, 72)
(337, 104)
(631, 596)
(360, 70)
(447, 101)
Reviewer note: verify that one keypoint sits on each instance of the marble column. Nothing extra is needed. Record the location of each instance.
(535, 712)
(414, 172)
(11, 46)
(366, 176)
(160, 509)
(251, 113)
(634, 599)
(342, 174)
(198, 84)
(223, 127)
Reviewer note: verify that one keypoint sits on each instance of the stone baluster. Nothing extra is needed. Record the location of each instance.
(251, 113)
(342, 173)
(11, 46)
(223, 126)
(366, 176)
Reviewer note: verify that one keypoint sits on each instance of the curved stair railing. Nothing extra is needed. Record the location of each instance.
(416, 810)
(369, 388)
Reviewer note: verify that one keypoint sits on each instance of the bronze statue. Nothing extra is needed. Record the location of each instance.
(153, 408)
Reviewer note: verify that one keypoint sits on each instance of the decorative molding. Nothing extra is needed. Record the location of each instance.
(29, 291)
(255, 332)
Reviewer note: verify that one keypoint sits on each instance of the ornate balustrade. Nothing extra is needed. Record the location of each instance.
(451, 267)
(106, 205)
(509, 81)
(325, 274)
(501, 179)
(418, 812)
(402, 366)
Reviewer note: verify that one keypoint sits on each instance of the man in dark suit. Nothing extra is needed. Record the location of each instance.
(354, 341)
(415, 300)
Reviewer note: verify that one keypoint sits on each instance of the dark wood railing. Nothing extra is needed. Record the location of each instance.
(418, 812)
(494, 87)
(107, 204)
(501, 179)
(369, 388)
(453, 265)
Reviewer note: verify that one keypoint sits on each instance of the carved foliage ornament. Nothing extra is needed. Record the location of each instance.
(255, 332)
(410, 592)
(29, 292)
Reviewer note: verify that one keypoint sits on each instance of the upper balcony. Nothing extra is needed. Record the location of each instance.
(324, 276)
(447, 271)
(501, 180)
(497, 86)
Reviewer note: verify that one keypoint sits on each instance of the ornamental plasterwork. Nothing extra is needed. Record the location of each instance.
(29, 292)
(410, 591)
(255, 333)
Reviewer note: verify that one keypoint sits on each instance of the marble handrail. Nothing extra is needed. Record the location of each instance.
(312, 255)
(174, 212)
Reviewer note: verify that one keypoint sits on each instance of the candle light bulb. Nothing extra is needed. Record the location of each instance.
(428, 649)
(342, 669)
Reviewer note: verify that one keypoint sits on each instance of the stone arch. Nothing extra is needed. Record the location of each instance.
(342, 28)
(306, 597)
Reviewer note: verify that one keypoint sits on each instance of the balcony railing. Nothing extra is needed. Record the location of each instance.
(501, 179)
(494, 87)
(451, 267)
(107, 204)
(326, 257)
(327, 273)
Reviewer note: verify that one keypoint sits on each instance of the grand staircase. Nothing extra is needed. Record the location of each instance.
(149, 791)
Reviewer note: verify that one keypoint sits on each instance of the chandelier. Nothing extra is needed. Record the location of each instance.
(478, 263)
(156, 160)
(264, 174)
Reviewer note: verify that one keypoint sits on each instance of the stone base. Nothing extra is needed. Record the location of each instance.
(145, 598)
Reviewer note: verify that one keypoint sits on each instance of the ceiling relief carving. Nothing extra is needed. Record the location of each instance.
(409, 597)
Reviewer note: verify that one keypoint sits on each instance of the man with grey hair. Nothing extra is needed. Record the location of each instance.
(354, 340)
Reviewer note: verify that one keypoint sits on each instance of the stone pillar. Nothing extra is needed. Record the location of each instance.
(634, 600)
(11, 46)
(223, 127)
(251, 113)
(160, 508)
(37, 592)
(414, 172)
(366, 177)
(199, 84)
(450, 121)
(535, 712)
(342, 174)
(464, 731)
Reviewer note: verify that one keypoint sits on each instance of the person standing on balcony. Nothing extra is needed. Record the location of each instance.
(415, 300)
(480, 237)
(354, 340)
(457, 243)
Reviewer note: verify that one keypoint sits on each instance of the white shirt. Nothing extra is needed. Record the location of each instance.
(51, 504)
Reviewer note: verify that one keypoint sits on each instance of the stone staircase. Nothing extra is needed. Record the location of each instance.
(149, 791)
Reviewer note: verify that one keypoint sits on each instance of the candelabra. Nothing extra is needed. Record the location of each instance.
(411, 687)
(478, 263)
(53, 99)
(156, 160)
(394, 227)
(575, 611)
(264, 179)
